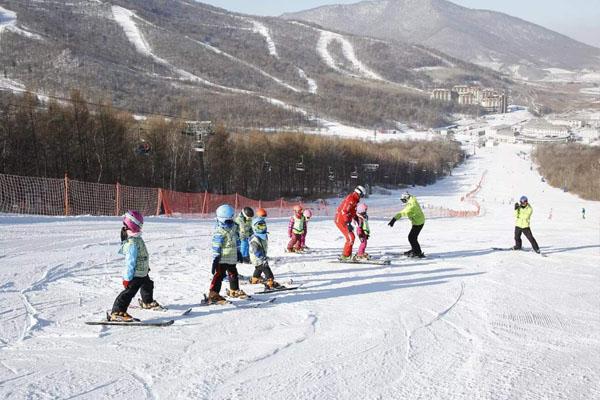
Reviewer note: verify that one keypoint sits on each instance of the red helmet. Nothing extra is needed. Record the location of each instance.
(261, 212)
(298, 209)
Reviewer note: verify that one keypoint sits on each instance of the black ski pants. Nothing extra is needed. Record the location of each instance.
(146, 287)
(413, 237)
(232, 273)
(263, 269)
(528, 235)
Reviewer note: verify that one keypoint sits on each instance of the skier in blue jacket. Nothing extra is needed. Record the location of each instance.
(135, 274)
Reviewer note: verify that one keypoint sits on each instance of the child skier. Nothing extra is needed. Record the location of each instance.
(413, 211)
(362, 231)
(226, 253)
(135, 275)
(244, 221)
(258, 254)
(307, 216)
(523, 213)
(296, 228)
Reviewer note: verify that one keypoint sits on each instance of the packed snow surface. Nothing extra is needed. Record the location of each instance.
(465, 323)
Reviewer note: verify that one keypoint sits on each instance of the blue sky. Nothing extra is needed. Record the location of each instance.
(579, 19)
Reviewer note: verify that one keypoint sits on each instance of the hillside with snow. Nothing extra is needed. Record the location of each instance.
(190, 58)
(467, 322)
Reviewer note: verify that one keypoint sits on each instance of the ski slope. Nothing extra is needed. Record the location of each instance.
(465, 323)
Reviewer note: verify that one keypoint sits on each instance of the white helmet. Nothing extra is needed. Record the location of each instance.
(360, 190)
(405, 196)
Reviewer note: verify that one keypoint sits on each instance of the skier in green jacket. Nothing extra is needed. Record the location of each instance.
(523, 213)
(413, 211)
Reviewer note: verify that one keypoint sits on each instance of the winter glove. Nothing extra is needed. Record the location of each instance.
(240, 258)
(392, 222)
(215, 264)
(123, 234)
(125, 284)
(350, 228)
(516, 206)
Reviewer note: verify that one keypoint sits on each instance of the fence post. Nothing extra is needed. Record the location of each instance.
(66, 194)
(118, 199)
(281, 206)
(236, 202)
(159, 202)
(203, 211)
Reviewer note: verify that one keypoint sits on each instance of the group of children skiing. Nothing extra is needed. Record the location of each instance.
(244, 239)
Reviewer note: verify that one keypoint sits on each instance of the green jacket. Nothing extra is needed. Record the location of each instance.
(523, 216)
(245, 225)
(413, 211)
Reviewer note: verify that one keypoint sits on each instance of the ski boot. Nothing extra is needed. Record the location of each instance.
(254, 281)
(153, 305)
(420, 255)
(215, 298)
(238, 294)
(408, 253)
(272, 284)
(345, 258)
(121, 316)
(362, 257)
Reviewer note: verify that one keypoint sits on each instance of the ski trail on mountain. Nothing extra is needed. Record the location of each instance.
(348, 50)
(8, 21)
(245, 63)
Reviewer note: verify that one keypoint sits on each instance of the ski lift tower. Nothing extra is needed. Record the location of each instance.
(200, 131)
(370, 169)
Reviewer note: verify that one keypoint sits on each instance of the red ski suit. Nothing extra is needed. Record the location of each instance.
(344, 215)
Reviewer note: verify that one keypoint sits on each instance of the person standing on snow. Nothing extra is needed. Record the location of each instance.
(523, 213)
(296, 228)
(362, 231)
(135, 275)
(244, 221)
(226, 254)
(413, 211)
(307, 216)
(259, 243)
(344, 215)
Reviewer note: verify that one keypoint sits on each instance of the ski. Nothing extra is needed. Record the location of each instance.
(132, 323)
(279, 289)
(511, 249)
(374, 261)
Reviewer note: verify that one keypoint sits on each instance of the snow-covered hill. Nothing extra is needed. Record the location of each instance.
(465, 323)
(487, 38)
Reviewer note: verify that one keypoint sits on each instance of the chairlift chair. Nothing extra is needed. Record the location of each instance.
(331, 175)
(300, 165)
(354, 174)
(199, 146)
(143, 148)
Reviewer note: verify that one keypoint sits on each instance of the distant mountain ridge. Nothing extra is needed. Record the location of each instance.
(487, 38)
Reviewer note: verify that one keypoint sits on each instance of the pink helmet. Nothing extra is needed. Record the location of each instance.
(133, 220)
(361, 208)
(307, 214)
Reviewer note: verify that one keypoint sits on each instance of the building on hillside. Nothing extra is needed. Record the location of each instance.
(541, 131)
(495, 103)
(502, 133)
(490, 99)
(443, 95)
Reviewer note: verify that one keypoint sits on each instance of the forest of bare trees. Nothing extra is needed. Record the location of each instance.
(101, 144)
(572, 167)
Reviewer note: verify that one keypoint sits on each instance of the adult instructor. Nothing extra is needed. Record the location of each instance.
(345, 214)
(413, 211)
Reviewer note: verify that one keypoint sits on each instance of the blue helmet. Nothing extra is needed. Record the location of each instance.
(225, 213)
(523, 199)
(259, 225)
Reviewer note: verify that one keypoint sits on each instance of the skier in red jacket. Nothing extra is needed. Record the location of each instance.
(345, 214)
